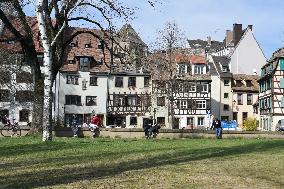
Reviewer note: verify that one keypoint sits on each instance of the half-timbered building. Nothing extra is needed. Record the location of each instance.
(185, 100)
(271, 94)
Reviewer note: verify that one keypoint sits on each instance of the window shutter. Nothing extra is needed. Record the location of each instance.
(282, 102)
(281, 61)
(282, 83)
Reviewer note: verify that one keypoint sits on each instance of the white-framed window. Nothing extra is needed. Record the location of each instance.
(204, 88)
(198, 69)
(181, 68)
(201, 104)
(190, 120)
(72, 79)
(183, 104)
(192, 88)
(200, 121)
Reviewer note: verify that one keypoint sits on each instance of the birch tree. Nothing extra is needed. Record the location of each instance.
(100, 13)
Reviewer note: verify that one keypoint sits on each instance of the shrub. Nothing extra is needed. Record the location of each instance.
(250, 124)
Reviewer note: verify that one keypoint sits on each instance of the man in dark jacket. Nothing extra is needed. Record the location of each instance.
(147, 127)
(218, 128)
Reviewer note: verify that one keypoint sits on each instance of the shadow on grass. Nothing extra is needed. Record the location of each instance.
(69, 173)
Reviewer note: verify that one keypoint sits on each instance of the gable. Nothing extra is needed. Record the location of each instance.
(247, 56)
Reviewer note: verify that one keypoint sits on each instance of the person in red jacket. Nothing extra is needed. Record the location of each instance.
(95, 123)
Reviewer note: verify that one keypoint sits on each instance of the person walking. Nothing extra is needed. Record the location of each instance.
(74, 125)
(148, 127)
(95, 123)
(218, 128)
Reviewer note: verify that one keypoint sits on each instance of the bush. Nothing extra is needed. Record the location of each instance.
(250, 124)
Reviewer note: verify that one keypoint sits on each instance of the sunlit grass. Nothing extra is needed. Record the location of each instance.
(129, 163)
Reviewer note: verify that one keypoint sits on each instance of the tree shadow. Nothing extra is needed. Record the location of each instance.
(69, 174)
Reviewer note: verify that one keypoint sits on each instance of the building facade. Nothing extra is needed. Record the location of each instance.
(245, 94)
(271, 94)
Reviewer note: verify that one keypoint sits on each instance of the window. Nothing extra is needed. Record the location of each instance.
(198, 69)
(85, 64)
(73, 44)
(93, 81)
(73, 100)
(190, 121)
(181, 68)
(226, 95)
(91, 100)
(227, 82)
(161, 101)
(5, 77)
(245, 116)
(24, 115)
(225, 69)
(88, 45)
(24, 96)
(101, 45)
(132, 100)
(132, 82)
(72, 79)
(203, 88)
(133, 120)
(239, 83)
(161, 120)
(24, 77)
(201, 104)
(118, 100)
(146, 81)
(200, 121)
(3, 113)
(224, 118)
(118, 81)
(249, 83)
(4, 95)
(226, 107)
(240, 99)
(281, 64)
(192, 88)
(40, 59)
(249, 99)
(71, 62)
(183, 104)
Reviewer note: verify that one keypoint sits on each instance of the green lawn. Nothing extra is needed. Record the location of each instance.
(26, 162)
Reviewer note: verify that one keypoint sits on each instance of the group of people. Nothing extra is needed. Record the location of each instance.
(150, 129)
(94, 125)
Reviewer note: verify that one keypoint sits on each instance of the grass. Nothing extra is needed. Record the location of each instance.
(138, 163)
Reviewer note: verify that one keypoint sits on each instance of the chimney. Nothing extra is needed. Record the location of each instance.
(209, 40)
(229, 37)
(250, 27)
(237, 33)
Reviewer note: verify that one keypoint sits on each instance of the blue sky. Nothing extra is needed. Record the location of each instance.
(201, 18)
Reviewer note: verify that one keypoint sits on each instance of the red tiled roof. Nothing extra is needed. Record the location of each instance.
(197, 59)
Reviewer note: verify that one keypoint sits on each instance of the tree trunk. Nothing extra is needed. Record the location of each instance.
(47, 59)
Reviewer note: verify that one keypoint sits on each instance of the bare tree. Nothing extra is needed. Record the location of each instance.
(14, 19)
(162, 63)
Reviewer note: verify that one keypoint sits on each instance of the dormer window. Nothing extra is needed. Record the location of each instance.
(73, 44)
(101, 45)
(85, 64)
(249, 83)
(198, 69)
(239, 83)
(71, 61)
(11, 42)
(181, 68)
(225, 69)
(88, 45)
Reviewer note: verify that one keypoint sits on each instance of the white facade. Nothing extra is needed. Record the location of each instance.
(84, 90)
(247, 57)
